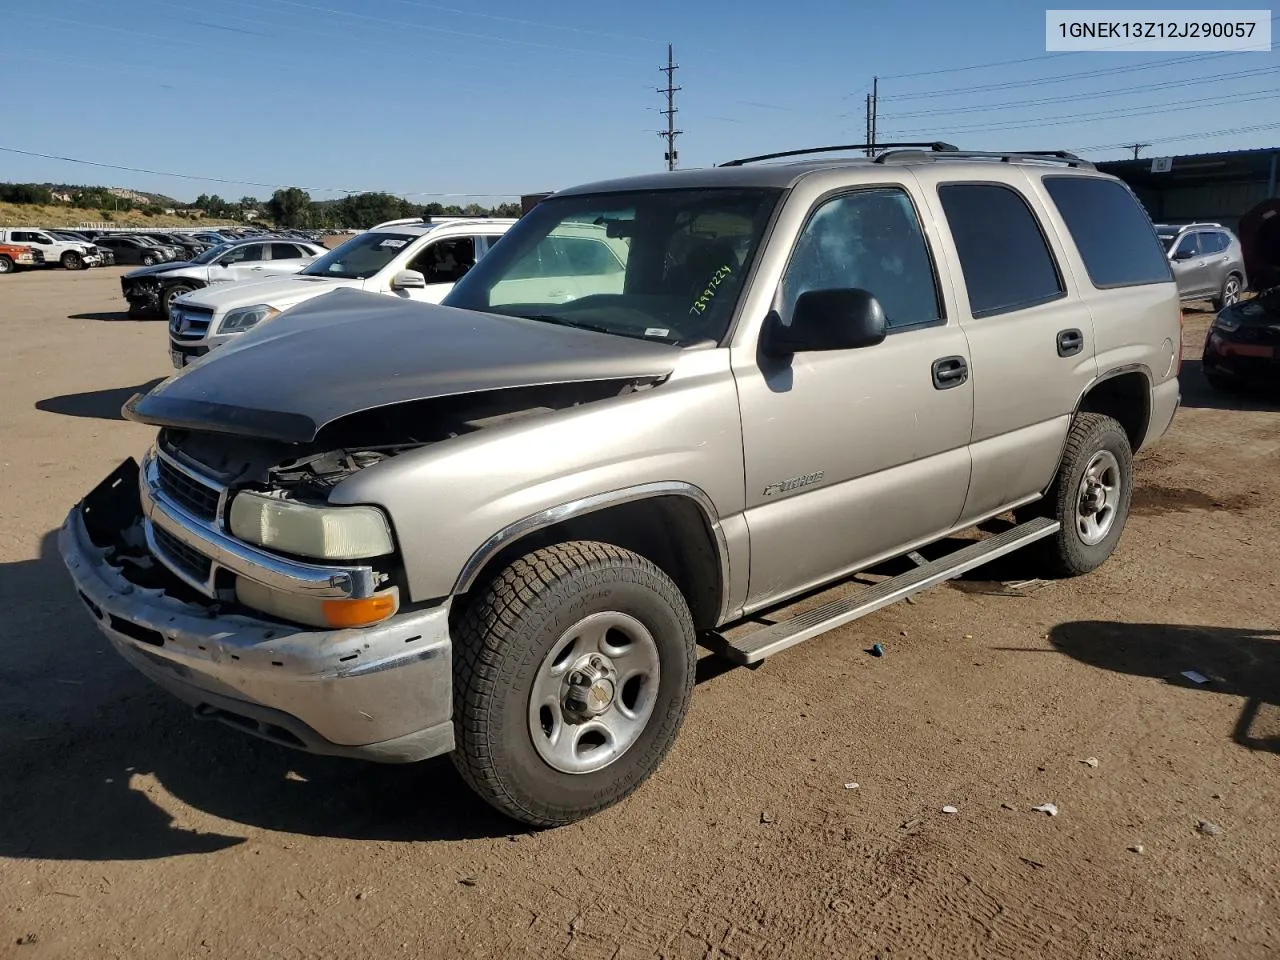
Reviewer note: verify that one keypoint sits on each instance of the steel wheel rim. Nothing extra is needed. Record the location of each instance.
(1232, 292)
(619, 655)
(1098, 497)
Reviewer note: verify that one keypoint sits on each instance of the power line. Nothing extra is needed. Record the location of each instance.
(1120, 113)
(671, 132)
(1075, 98)
(1058, 78)
(240, 183)
(1203, 135)
(1007, 63)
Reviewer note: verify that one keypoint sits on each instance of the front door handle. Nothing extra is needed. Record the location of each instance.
(949, 372)
(1070, 342)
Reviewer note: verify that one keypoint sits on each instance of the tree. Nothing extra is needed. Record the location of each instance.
(25, 193)
(363, 210)
(289, 208)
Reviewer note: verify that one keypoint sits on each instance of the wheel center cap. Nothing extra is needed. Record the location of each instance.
(591, 688)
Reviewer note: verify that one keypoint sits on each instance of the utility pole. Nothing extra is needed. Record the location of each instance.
(867, 137)
(671, 132)
(1135, 147)
(875, 110)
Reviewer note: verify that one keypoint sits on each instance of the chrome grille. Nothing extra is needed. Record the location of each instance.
(189, 493)
(191, 561)
(189, 323)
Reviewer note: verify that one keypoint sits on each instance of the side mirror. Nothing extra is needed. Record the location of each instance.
(827, 320)
(1183, 254)
(408, 280)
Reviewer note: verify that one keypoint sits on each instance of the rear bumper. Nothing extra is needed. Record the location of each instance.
(1247, 361)
(380, 693)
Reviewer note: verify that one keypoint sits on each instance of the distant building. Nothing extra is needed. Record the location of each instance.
(1214, 187)
(60, 197)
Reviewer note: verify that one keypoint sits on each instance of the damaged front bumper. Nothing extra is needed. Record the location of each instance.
(143, 293)
(380, 693)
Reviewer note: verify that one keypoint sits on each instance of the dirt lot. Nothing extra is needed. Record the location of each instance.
(131, 830)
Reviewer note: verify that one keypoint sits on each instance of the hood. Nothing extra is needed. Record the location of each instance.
(350, 351)
(1261, 311)
(278, 292)
(160, 267)
(1259, 232)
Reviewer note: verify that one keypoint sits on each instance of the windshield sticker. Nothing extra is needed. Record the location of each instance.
(657, 332)
(393, 243)
(704, 298)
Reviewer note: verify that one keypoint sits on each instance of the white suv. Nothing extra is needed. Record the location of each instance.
(412, 259)
(70, 254)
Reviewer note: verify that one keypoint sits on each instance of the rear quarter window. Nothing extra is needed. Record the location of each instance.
(1113, 233)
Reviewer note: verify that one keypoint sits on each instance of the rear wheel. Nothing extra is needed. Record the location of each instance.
(1229, 294)
(72, 261)
(6, 265)
(1090, 497)
(573, 669)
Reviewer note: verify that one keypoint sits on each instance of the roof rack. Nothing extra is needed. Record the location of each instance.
(1046, 156)
(936, 145)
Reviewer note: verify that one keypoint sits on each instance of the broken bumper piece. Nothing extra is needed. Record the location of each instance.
(380, 693)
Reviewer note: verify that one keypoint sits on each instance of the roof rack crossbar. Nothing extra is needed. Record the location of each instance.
(935, 145)
(1005, 156)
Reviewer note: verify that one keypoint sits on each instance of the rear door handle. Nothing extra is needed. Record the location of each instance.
(1070, 342)
(949, 372)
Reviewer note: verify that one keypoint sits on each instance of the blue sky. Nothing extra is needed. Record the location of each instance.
(492, 98)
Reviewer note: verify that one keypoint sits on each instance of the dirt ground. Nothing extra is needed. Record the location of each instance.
(129, 829)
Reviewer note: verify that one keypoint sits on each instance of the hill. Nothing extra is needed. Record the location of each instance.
(60, 215)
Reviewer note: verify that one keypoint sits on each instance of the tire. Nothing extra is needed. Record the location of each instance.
(1094, 440)
(149, 260)
(6, 265)
(172, 293)
(1229, 294)
(527, 630)
(72, 261)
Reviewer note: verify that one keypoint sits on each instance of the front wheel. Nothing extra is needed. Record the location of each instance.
(6, 265)
(573, 669)
(72, 261)
(1090, 496)
(173, 293)
(149, 260)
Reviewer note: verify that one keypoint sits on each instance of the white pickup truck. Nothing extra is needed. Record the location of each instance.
(413, 259)
(70, 254)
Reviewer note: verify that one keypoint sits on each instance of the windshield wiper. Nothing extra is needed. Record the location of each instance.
(565, 322)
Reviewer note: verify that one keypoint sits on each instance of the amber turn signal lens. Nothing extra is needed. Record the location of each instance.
(358, 613)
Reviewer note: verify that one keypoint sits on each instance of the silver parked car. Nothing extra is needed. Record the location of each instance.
(1207, 262)
(500, 526)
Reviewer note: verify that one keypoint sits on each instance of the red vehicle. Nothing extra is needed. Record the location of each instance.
(13, 256)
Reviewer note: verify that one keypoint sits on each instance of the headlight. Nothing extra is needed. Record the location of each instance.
(1226, 324)
(327, 533)
(238, 321)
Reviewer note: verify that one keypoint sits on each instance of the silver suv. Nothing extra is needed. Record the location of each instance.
(500, 527)
(1207, 262)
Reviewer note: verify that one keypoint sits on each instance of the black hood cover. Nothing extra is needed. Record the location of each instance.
(348, 351)
(159, 268)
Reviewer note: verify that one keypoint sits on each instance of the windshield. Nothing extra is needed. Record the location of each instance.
(660, 264)
(360, 257)
(212, 254)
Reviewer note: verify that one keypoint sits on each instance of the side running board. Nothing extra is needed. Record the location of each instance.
(758, 644)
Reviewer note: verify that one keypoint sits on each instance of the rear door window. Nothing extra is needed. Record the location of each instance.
(1113, 233)
(1004, 256)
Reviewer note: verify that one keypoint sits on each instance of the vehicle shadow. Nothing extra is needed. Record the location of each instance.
(98, 764)
(1238, 662)
(1197, 394)
(96, 404)
(113, 316)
